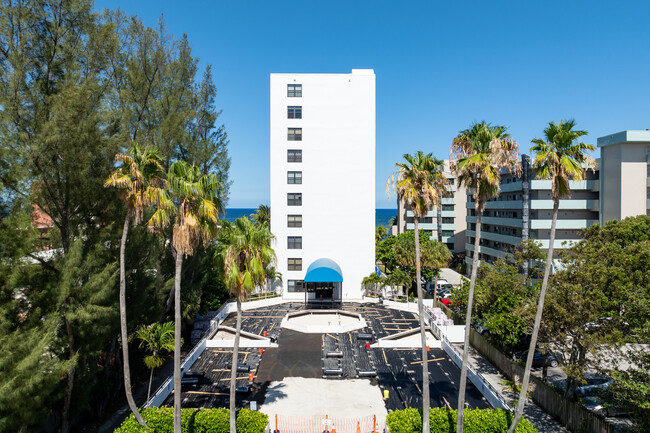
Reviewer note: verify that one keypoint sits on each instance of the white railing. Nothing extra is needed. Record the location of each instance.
(167, 386)
(490, 394)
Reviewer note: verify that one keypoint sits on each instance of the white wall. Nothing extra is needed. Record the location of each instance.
(338, 174)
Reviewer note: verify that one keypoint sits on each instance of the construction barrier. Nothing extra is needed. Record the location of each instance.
(325, 423)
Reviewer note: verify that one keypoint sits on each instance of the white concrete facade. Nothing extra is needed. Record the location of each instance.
(625, 175)
(323, 170)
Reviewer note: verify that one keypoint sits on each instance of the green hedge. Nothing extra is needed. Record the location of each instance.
(443, 420)
(161, 420)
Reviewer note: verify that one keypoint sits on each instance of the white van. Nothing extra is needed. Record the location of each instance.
(442, 284)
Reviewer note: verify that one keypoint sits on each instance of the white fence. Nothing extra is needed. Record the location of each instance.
(167, 387)
(484, 387)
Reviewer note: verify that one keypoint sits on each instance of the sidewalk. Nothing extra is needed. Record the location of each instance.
(542, 421)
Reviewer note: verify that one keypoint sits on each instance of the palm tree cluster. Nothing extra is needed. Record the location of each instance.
(480, 155)
(190, 202)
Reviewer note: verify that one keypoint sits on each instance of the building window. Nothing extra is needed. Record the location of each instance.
(294, 112)
(447, 220)
(294, 242)
(294, 177)
(295, 264)
(294, 90)
(294, 220)
(447, 233)
(294, 134)
(294, 199)
(294, 155)
(295, 286)
(447, 207)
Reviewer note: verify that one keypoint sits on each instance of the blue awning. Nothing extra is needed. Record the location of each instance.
(324, 271)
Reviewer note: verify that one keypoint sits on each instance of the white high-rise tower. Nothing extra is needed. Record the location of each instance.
(323, 182)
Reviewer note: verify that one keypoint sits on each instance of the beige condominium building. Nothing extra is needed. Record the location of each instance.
(523, 210)
(625, 175)
(452, 214)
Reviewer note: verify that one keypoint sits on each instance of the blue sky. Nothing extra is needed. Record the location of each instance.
(439, 67)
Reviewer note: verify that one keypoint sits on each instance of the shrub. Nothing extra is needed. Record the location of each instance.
(250, 421)
(404, 421)
(212, 420)
(161, 420)
(443, 420)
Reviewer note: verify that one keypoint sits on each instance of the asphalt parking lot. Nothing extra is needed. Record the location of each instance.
(399, 371)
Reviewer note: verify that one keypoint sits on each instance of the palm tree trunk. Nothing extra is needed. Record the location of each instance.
(233, 371)
(123, 328)
(468, 321)
(177, 341)
(149, 389)
(538, 320)
(423, 335)
(439, 220)
(435, 290)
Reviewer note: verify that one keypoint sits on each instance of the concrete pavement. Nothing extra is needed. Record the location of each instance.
(542, 421)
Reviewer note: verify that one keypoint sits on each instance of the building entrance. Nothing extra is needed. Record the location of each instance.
(322, 290)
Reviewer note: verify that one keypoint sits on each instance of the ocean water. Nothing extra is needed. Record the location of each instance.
(382, 216)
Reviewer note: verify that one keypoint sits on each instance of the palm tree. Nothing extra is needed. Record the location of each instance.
(246, 250)
(194, 210)
(137, 179)
(478, 157)
(262, 215)
(272, 275)
(157, 337)
(419, 182)
(372, 283)
(380, 233)
(561, 158)
(439, 256)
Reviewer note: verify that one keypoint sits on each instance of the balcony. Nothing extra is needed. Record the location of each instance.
(567, 204)
(575, 224)
(505, 204)
(498, 221)
(487, 250)
(498, 237)
(433, 213)
(557, 244)
(592, 184)
(510, 187)
(431, 226)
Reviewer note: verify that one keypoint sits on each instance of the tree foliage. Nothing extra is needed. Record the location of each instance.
(77, 88)
(397, 255)
(599, 298)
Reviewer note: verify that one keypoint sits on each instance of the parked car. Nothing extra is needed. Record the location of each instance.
(480, 327)
(591, 386)
(448, 302)
(442, 283)
(542, 358)
(597, 405)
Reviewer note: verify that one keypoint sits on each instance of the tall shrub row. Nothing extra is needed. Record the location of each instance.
(443, 420)
(161, 420)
